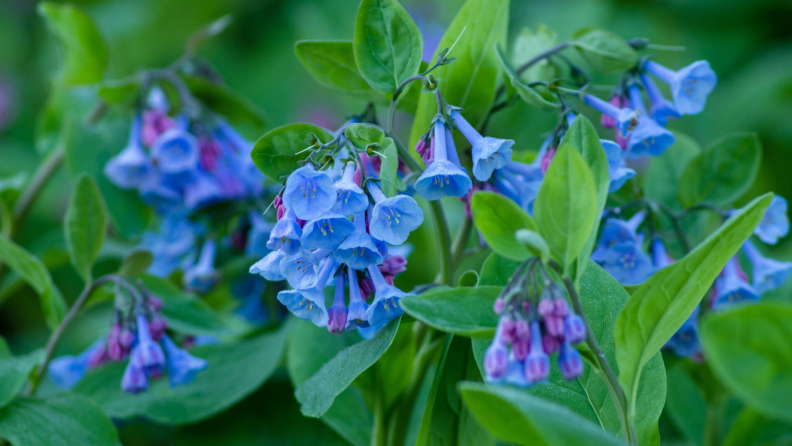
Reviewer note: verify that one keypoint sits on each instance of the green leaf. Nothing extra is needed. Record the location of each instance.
(14, 372)
(85, 225)
(497, 270)
(752, 428)
(86, 54)
(543, 101)
(723, 172)
(566, 205)
(309, 349)
(685, 406)
(498, 219)
(136, 263)
(604, 50)
(663, 176)
(316, 395)
(445, 420)
(389, 168)
(120, 92)
(61, 420)
(462, 311)
(529, 44)
(234, 371)
(226, 102)
(387, 44)
(470, 81)
(748, 349)
(275, 154)
(361, 134)
(35, 274)
(534, 242)
(663, 303)
(582, 136)
(517, 417)
(332, 64)
(469, 279)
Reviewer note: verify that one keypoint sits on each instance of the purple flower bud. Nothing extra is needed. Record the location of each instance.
(127, 338)
(155, 123)
(521, 329)
(546, 307)
(560, 307)
(609, 122)
(394, 265)
(520, 348)
(554, 325)
(498, 306)
(154, 303)
(114, 348)
(537, 365)
(507, 330)
(496, 359)
(550, 343)
(569, 362)
(338, 311)
(157, 328)
(574, 328)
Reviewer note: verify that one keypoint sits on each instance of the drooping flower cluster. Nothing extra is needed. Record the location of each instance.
(620, 250)
(179, 164)
(337, 234)
(139, 334)
(532, 327)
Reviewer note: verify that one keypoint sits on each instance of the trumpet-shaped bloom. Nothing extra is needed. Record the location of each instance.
(135, 379)
(628, 264)
(182, 367)
(176, 151)
(200, 189)
(496, 359)
(132, 167)
(626, 119)
(731, 289)
(147, 353)
(66, 371)
(202, 276)
(775, 223)
(326, 232)
(350, 198)
(661, 110)
(356, 316)
(686, 341)
(358, 250)
(443, 178)
(488, 153)
(309, 304)
(393, 218)
(301, 269)
(690, 86)
(618, 231)
(537, 364)
(286, 234)
(617, 169)
(660, 257)
(768, 274)
(569, 361)
(337, 314)
(309, 193)
(648, 137)
(574, 329)
(386, 299)
(269, 266)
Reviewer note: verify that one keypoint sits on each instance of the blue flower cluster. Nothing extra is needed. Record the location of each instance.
(179, 164)
(326, 226)
(528, 333)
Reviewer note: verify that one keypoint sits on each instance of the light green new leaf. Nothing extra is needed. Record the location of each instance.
(518, 417)
(723, 172)
(35, 274)
(14, 373)
(749, 350)
(61, 420)
(136, 263)
(463, 311)
(528, 45)
(566, 205)
(470, 81)
(662, 304)
(498, 219)
(234, 371)
(85, 225)
(361, 134)
(86, 54)
(332, 64)
(603, 50)
(542, 100)
(387, 44)
(275, 153)
(316, 395)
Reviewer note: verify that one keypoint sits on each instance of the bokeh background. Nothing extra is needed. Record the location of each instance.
(749, 45)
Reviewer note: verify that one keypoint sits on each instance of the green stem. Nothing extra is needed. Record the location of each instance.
(395, 100)
(460, 242)
(712, 426)
(33, 189)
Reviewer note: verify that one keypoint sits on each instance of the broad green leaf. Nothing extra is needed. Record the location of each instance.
(226, 102)
(85, 225)
(663, 176)
(663, 303)
(389, 167)
(543, 100)
(332, 64)
(470, 81)
(387, 44)
(752, 428)
(35, 274)
(445, 420)
(14, 372)
(601, 297)
(518, 417)
(582, 136)
(566, 205)
(234, 371)
(723, 172)
(61, 420)
(136, 263)
(498, 219)
(469, 279)
(361, 134)
(604, 50)
(275, 154)
(316, 395)
(85, 51)
(309, 349)
(120, 92)
(529, 44)
(748, 348)
(685, 406)
(497, 270)
(463, 311)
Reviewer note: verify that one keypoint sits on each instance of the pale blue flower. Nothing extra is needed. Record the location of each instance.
(358, 251)
(628, 264)
(775, 223)
(686, 341)
(731, 289)
(569, 361)
(147, 353)
(537, 364)
(286, 234)
(135, 379)
(350, 198)
(443, 177)
(618, 231)
(182, 367)
(67, 371)
(326, 232)
(269, 266)
(690, 86)
(648, 138)
(768, 274)
(176, 151)
(202, 276)
(302, 269)
(309, 304)
(626, 119)
(488, 153)
(661, 109)
(309, 193)
(618, 171)
(393, 218)
(356, 317)
(132, 167)
(337, 314)
(386, 299)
